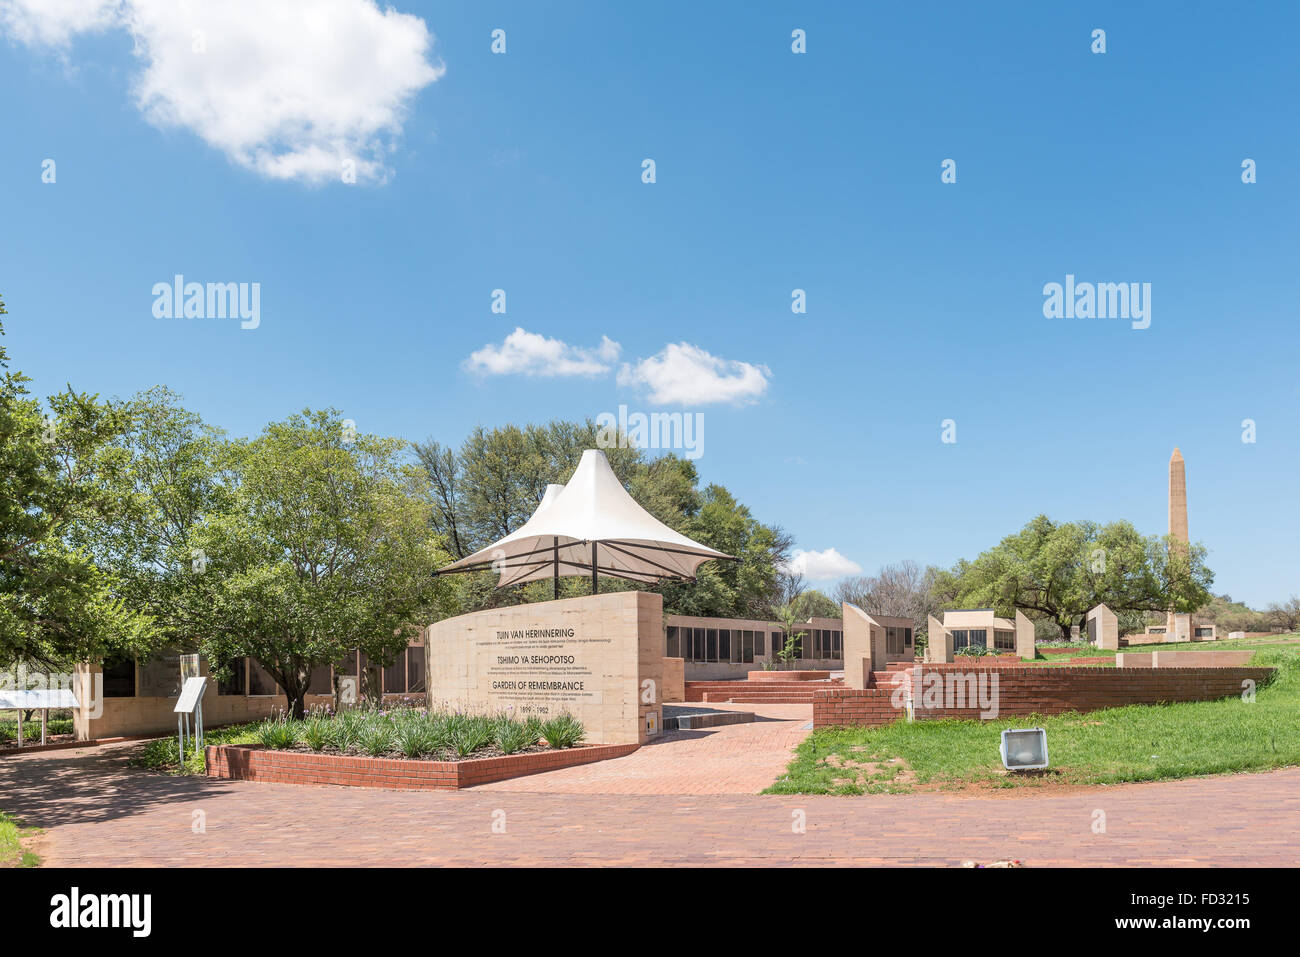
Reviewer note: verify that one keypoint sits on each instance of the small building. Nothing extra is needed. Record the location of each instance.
(980, 628)
(964, 628)
(717, 649)
(125, 696)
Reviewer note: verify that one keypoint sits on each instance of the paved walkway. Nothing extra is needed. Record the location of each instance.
(735, 759)
(97, 811)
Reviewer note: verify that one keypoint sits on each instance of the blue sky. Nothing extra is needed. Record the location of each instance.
(774, 171)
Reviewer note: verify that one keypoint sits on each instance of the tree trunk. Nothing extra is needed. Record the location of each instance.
(371, 687)
(297, 709)
(294, 684)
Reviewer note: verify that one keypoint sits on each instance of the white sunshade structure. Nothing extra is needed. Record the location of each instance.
(590, 526)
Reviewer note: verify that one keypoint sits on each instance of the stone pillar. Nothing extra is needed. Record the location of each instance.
(87, 686)
(1025, 636)
(939, 649)
(1177, 525)
(1107, 627)
(858, 650)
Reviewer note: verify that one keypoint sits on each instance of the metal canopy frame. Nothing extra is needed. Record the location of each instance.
(552, 556)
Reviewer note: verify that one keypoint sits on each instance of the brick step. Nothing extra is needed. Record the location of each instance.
(748, 688)
(755, 697)
(741, 683)
(890, 679)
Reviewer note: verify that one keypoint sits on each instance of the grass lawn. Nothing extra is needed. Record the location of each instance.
(160, 753)
(11, 848)
(1084, 650)
(1223, 644)
(1133, 743)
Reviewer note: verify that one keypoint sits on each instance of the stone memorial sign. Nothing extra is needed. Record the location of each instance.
(600, 658)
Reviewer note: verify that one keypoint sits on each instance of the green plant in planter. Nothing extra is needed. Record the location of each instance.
(315, 732)
(513, 736)
(418, 739)
(345, 730)
(534, 726)
(277, 734)
(378, 737)
(563, 731)
(792, 648)
(470, 734)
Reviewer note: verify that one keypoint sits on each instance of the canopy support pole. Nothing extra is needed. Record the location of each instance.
(555, 575)
(594, 585)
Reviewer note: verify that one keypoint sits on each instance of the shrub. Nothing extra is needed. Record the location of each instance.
(563, 731)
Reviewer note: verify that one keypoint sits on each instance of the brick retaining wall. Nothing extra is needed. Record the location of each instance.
(254, 763)
(1036, 690)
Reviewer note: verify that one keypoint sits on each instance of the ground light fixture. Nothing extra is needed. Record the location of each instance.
(1024, 749)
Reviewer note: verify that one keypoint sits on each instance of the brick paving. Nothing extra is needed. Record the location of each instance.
(96, 811)
(734, 759)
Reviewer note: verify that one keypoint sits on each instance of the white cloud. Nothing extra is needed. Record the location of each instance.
(683, 374)
(528, 353)
(821, 566)
(292, 89)
(54, 22)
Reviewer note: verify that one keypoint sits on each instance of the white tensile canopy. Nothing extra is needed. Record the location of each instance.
(590, 525)
(548, 497)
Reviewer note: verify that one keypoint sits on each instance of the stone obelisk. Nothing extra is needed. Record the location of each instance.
(1178, 627)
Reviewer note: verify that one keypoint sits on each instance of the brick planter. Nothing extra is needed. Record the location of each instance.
(252, 762)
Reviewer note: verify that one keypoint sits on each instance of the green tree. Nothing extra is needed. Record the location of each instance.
(739, 589)
(1059, 571)
(1284, 615)
(163, 474)
(814, 604)
(56, 605)
(326, 545)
